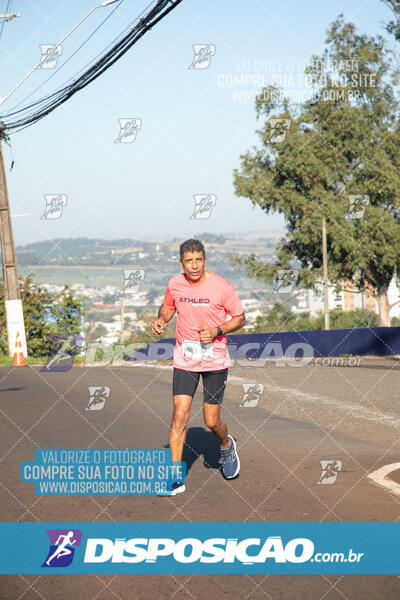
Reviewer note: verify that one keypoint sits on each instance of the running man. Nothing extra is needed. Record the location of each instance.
(63, 353)
(202, 300)
(62, 549)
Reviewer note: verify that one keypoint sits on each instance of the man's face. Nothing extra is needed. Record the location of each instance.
(193, 265)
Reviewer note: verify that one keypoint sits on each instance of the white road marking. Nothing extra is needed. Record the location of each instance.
(360, 412)
(351, 409)
(380, 477)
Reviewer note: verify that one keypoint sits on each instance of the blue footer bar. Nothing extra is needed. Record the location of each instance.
(194, 548)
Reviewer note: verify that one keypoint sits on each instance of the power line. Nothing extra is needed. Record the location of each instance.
(113, 41)
(4, 20)
(49, 103)
(55, 71)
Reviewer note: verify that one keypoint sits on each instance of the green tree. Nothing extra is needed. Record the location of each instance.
(44, 313)
(105, 317)
(144, 334)
(394, 26)
(344, 141)
(280, 318)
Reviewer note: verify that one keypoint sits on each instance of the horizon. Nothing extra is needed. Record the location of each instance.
(155, 239)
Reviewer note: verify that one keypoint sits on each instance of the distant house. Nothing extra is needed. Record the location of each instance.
(347, 298)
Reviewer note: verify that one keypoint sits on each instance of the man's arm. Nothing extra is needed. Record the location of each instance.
(233, 324)
(207, 334)
(164, 315)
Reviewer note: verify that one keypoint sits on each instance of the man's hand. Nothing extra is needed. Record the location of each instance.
(207, 334)
(157, 326)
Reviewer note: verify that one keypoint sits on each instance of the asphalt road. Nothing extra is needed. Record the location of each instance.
(301, 416)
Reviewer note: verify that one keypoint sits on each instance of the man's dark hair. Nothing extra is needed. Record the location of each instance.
(191, 246)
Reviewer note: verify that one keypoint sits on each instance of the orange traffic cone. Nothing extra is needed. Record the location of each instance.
(18, 358)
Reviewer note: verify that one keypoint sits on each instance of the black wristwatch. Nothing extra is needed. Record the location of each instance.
(219, 332)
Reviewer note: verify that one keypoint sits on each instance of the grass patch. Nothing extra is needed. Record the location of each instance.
(6, 361)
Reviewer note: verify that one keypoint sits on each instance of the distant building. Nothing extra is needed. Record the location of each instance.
(251, 318)
(250, 303)
(347, 298)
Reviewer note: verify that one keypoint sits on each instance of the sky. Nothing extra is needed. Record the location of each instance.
(192, 123)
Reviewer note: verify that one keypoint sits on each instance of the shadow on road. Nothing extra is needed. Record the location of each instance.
(201, 443)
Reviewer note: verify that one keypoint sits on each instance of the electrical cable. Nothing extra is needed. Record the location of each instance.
(4, 20)
(55, 71)
(50, 102)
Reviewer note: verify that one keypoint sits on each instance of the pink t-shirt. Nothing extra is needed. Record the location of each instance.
(199, 306)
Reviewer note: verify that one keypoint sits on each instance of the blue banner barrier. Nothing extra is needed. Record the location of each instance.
(374, 341)
(195, 548)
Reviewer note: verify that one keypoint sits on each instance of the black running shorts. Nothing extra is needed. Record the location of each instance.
(214, 382)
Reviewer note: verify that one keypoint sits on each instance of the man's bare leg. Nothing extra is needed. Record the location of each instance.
(211, 413)
(180, 419)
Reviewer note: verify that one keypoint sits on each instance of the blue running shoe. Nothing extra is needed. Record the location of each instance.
(177, 488)
(230, 460)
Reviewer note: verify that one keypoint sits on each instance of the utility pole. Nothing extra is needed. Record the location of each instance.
(13, 303)
(122, 317)
(12, 295)
(325, 274)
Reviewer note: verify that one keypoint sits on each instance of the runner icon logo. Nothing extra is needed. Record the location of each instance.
(357, 204)
(202, 56)
(55, 204)
(278, 130)
(330, 470)
(97, 397)
(132, 280)
(62, 547)
(203, 205)
(251, 394)
(52, 54)
(63, 348)
(286, 281)
(128, 129)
